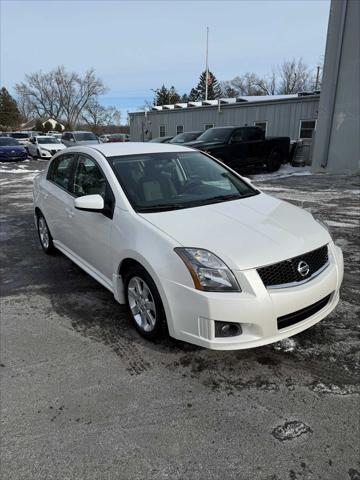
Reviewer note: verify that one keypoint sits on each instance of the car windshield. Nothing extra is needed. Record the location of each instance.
(81, 137)
(185, 137)
(44, 140)
(8, 141)
(216, 135)
(167, 181)
(20, 135)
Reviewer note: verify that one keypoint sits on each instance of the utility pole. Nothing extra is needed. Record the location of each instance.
(317, 78)
(207, 64)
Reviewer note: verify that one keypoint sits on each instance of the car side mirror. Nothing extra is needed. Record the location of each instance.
(89, 203)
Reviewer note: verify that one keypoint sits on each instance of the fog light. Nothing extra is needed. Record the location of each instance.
(226, 329)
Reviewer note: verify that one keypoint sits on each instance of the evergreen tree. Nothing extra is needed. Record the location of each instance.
(58, 127)
(48, 126)
(194, 95)
(161, 96)
(164, 96)
(214, 89)
(184, 98)
(10, 116)
(39, 126)
(174, 97)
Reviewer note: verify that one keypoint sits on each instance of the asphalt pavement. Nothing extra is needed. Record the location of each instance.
(83, 397)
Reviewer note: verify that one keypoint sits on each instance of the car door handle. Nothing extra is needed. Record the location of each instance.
(69, 212)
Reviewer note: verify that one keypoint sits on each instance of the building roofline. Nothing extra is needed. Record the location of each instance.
(240, 104)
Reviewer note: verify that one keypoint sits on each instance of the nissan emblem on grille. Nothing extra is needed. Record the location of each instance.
(303, 268)
(295, 269)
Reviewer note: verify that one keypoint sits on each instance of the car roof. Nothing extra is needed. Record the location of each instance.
(133, 148)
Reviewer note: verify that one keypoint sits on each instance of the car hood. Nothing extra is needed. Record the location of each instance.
(86, 142)
(52, 146)
(201, 144)
(246, 233)
(12, 148)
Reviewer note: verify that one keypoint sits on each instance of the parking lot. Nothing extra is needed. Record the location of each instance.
(84, 397)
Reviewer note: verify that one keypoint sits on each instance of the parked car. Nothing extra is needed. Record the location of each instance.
(71, 139)
(188, 244)
(241, 147)
(11, 150)
(114, 137)
(57, 135)
(44, 147)
(21, 137)
(185, 137)
(160, 140)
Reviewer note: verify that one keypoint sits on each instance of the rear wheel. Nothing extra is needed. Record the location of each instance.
(144, 303)
(45, 237)
(274, 161)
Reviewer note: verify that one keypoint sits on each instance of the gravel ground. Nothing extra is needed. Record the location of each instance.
(84, 397)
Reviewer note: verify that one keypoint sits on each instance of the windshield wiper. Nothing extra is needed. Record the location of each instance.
(161, 207)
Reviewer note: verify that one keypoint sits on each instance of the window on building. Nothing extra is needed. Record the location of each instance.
(162, 131)
(179, 129)
(307, 128)
(262, 125)
(208, 125)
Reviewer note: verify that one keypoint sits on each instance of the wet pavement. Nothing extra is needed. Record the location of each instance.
(84, 397)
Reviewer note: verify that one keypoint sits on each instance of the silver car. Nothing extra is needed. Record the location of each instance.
(77, 138)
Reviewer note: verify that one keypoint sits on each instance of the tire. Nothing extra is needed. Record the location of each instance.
(45, 237)
(37, 156)
(144, 304)
(274, 161)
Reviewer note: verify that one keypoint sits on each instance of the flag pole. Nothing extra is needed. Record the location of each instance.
(207, 64)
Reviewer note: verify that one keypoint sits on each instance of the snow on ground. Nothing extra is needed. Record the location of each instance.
(284, 171)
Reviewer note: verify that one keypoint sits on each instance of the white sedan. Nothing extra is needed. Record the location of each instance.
(190, 246)
(44, 147)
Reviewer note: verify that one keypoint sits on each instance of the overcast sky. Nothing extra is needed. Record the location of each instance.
(139, 45)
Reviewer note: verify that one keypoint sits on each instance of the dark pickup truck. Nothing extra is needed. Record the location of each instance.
(240, 147)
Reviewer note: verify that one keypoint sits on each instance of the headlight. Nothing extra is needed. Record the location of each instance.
(208, 271)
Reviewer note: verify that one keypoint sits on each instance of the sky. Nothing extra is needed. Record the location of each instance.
(136, 46)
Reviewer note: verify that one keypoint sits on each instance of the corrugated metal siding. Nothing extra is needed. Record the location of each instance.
(283, 117)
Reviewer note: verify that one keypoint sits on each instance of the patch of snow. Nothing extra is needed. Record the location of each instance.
(13, 170)
(331, 223)
(330, 388)
(290, 430)
(286, 345)
(284, 171)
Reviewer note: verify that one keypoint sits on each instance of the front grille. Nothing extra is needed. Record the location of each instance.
(286, 272)
(295, 317)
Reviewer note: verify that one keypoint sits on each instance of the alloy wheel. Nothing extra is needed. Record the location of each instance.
(44, 233)
(141, 304)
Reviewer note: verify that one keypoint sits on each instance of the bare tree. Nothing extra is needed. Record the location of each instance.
(294, 77)
(96, 115)
(58, 94)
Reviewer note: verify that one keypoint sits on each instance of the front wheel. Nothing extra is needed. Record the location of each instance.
(45, 237)
(274, 162)
(144, 303)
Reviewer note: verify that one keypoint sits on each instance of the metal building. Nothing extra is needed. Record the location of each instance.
(337, 140)
(294, 116)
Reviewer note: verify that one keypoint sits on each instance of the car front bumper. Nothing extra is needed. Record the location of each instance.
(13, 158)
(192, 313)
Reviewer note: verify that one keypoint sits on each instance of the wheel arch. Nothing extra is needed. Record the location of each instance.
(128, 261)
